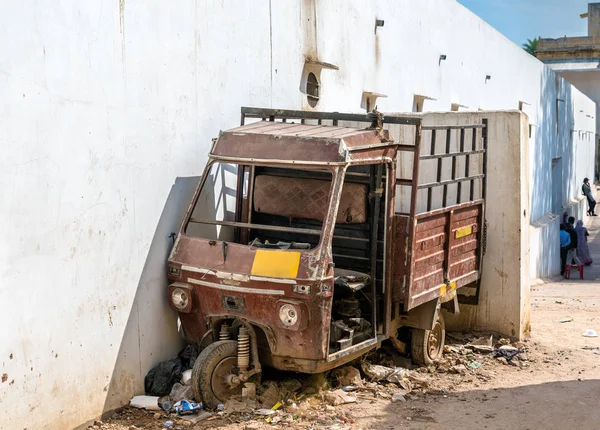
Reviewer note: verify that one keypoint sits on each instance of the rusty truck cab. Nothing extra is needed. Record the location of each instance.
(289, 253)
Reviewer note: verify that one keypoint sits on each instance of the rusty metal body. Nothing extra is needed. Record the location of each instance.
(289, 293)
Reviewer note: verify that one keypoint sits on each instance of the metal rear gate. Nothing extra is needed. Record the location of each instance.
(445, 245)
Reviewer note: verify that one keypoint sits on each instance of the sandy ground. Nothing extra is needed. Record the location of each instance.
(559, 388)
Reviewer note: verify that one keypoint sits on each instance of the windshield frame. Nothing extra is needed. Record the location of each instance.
(332, 206)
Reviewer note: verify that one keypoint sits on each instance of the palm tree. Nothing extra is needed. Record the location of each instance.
(531, 45)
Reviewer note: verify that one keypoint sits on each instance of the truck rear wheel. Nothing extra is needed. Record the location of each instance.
(212, 370)
(427, 346)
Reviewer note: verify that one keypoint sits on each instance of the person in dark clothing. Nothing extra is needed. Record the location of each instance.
(572, 249)
(570, 228)
(565, 243)
(586, 189)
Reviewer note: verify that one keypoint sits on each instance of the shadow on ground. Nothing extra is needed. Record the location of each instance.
(553, 405)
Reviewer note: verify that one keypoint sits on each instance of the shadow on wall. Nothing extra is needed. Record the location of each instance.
(151, 334)
(553, 146)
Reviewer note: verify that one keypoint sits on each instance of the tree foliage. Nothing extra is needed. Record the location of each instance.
(531, 46)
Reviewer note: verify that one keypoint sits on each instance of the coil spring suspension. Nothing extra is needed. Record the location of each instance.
(225, 334)
(243, 349)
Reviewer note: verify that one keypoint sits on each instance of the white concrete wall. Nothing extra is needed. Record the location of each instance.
(504, 295)
(108, 109)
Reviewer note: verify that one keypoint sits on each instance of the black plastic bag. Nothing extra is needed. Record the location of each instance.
(188, 356)
(160, 379)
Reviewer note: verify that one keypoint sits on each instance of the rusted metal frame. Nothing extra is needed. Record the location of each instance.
(433, 292)
(484, 135)
(263, 161)
(452, 154)
(443, 210)
(451, 127)
(445, 186)
(430, 190)
(258, 226)
(192, 205)
(310, 232)
(413, 211)
(372, 146)
(473, 146)
(461, 149)
(450, 181)
(448, 246)
(376, 193)
(405, 148)
(369, 343)
(363, 161)
(239, 198)
(251, 112)
(388, 269)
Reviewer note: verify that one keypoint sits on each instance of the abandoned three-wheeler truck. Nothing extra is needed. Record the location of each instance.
(296, 251)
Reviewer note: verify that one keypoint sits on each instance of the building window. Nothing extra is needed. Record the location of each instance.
(312, 89)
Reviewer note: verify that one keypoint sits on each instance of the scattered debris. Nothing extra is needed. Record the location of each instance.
(180, 392)
(507, 351)
(161, 378)
(264, 412)
(398, 397)
(145, 402)
(186, 377)
(378, 373)
(482, 344)
(194, 419)
(235, 406)
(350, 388)
(475, 364)
(590, 333)
(348, 375)
(186, 407)
(249, 391)
(565, 320)
(339, 397)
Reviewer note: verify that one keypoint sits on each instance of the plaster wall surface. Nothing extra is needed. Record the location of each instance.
(106, 117)
(504, 295)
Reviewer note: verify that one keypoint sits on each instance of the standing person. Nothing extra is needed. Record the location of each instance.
(565, 218)
(583, 252)
(565, 243)
(586, 189)
(572, 251)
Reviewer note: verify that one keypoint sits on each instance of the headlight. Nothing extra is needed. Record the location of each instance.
(288, 315)
(180, 298)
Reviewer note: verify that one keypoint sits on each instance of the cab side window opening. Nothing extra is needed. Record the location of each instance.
(216, 202)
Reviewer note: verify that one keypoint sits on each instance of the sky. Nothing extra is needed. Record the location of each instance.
(520, 20)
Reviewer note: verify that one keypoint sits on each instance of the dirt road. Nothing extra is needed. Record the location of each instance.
(559, 388)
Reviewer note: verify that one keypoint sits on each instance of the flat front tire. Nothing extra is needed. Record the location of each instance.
(212, 368)
(427, 346)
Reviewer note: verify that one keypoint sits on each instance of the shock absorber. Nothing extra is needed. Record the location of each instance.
(243, 358)
(225, 334)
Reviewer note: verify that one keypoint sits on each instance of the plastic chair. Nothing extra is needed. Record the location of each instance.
(568, 270)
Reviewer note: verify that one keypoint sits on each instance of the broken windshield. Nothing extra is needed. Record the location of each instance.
(262, 206)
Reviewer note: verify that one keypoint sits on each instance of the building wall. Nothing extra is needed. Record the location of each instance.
(106, 116)
(504, 291)
(588, 82)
